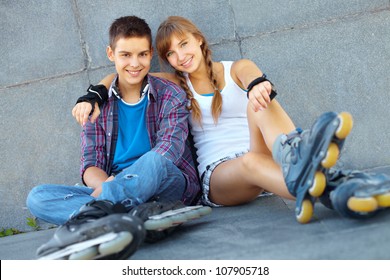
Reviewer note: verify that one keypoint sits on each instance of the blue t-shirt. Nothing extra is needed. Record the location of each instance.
(133, 139)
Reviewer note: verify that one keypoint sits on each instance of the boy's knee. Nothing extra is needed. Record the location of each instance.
(155, 159)
(152, 155)
(34, 197)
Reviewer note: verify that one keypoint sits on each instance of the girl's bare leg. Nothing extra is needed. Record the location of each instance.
(268, 124)
(241, 180)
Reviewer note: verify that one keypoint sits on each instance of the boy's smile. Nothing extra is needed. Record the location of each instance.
(132, 58)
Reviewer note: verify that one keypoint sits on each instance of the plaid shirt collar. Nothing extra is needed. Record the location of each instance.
(145, 88)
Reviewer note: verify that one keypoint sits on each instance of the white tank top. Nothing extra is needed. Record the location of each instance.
(231, 134)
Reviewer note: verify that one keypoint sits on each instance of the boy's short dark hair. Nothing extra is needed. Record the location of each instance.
(127, 27)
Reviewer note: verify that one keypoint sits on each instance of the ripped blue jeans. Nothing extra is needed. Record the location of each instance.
(151, 175)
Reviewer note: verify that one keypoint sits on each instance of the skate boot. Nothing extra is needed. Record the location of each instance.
(101, 230)
(161, 218)
(356, 194)
(305, 156)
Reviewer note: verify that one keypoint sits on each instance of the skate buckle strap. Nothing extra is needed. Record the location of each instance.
(372, 190)
(95, 209)
(95, 94)
(259, 81)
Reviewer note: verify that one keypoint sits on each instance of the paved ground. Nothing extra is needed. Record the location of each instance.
(263, 229)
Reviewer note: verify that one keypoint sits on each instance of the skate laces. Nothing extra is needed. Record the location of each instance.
(293, 138)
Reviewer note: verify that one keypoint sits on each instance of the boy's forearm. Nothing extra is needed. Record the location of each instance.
(94, 177)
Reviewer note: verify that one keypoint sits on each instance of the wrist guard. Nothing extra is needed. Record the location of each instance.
(97, 93)
(258, 81)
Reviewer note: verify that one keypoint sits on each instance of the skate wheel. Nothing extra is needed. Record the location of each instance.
(118, 244)
(192, 215)
(87, 254)
(358, 204)
(206, 210)
(331, 156)
(158, 224)
(319, 185)
(383, 200)
(345, 126)
(306, 212)
(178, 219)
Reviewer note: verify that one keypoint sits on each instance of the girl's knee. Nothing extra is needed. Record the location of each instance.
(249, 161)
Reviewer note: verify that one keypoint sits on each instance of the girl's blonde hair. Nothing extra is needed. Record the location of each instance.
(179, 26)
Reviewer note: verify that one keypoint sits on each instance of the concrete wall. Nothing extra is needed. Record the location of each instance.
(322, 55)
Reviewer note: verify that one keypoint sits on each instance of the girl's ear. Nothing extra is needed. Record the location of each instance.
(110, 53)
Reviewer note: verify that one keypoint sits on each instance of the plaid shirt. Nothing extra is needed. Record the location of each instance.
(167, 124)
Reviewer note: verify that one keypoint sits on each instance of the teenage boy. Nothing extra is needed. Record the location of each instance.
(135, 162)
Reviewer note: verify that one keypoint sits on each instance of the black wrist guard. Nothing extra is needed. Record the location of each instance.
(94, 94)
(258, 81)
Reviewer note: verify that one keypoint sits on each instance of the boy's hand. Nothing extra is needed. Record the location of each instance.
(98, 190)
(82, 110)
(109, 179)
(259, 96)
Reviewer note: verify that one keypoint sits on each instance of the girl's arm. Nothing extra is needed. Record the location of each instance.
(243, 73)
(82, 110)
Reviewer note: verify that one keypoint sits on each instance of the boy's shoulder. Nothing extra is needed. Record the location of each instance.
(161, 84)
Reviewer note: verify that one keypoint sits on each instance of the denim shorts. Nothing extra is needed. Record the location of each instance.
(206, 176)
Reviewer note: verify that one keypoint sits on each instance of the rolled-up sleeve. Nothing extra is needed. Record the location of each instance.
(93, 147)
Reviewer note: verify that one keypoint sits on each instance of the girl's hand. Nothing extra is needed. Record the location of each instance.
(82, 110)
(259, 96)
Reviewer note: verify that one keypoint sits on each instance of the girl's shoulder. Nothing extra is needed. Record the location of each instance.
(240, 64)
(237, 69)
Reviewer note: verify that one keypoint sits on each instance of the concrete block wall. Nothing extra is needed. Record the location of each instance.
(321, 55)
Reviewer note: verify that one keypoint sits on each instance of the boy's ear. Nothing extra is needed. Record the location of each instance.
(110, 53)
